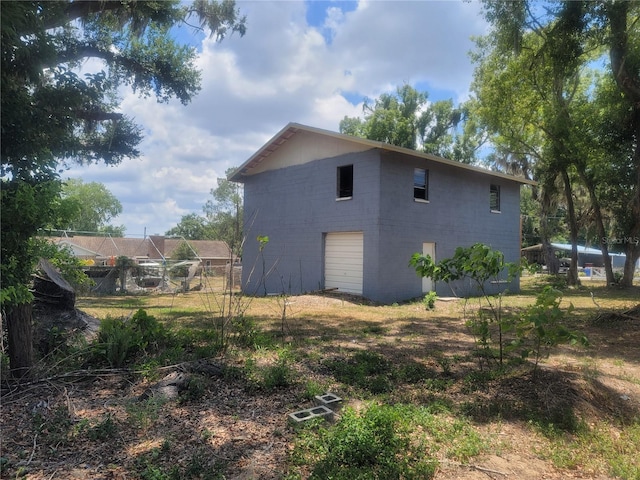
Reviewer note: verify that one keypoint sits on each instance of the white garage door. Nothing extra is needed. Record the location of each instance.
(343, 256)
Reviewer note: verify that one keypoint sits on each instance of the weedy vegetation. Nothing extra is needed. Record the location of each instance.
(426, 387)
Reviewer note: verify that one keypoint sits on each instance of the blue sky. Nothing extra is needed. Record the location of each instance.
(311, 62)
(317, 12)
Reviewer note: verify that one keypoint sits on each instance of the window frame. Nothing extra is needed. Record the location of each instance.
(344, 175)
(494, 198)
(424, 187)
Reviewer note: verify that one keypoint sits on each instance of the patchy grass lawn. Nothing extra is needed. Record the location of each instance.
(419, 399)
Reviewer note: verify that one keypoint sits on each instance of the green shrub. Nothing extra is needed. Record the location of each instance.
(383, 442)
(152, 333)
(54, 427)
(119, 339)
(279, 375)
(144, 414)
(374, 330)
(312, 389)
(480, 265)
(116, 341)
(54, 340)
(414, 373)
(245, 330)
(378, 384)
(430, 300)
(542, 326)
(103, 430)
(374, 444)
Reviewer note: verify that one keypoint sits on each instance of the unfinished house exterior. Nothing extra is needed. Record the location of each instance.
(346, 214)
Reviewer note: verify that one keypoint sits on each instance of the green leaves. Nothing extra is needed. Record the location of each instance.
(378, 443)
(425, 266)
(51, 115)
(539, 328)
(478, 262)
(542, 326)
(224, 213)
(24, 207)
(119, 340)
(262, 240)
(85, 207)
(406, 119)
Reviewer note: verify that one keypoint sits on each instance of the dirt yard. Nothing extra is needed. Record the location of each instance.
(92, 424)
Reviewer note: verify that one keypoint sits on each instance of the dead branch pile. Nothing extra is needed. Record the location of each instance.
(631, 314)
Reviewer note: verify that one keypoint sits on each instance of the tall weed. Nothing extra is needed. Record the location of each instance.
(383, 441)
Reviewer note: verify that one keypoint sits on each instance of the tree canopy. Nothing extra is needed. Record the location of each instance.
(224, 212)
(558, 88)
(407, 119)
(52, 115)
(191, 227)
(88, 207)
(222, 219)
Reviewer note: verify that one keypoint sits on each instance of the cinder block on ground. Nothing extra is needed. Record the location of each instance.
(309, 413)
(329, 400)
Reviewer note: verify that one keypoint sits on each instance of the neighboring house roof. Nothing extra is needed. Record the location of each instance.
(204, 248)
(566, 247)
(109, 246)
(77, 250)
(140, 247)
(356, 144)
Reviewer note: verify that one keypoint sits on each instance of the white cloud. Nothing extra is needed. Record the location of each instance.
(283, 70)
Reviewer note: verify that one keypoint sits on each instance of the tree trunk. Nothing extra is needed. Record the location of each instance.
(20, 336)
(572, 273)
(602, 234)
(628, 82)
(632, 252)
(548, 254)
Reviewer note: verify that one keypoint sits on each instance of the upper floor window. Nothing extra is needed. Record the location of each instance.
(345, 182)
(420, 184)
(494, 198)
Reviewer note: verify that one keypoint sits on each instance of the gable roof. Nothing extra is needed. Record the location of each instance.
(204, 248)
(77, 250)
(289, 132)
(107, 246)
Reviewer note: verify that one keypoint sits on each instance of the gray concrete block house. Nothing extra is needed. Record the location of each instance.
(347, 213)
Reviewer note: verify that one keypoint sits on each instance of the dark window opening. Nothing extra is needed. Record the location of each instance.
(420, 184)
(345, 181)
(494, 198)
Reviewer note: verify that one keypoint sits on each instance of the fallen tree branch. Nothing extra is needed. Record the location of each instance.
(33, 450)
(19, 387)
(197, 366)
(475, 467)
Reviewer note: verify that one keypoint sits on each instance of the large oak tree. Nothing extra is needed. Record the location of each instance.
(52, 116)
(599, 144)
(407, 119)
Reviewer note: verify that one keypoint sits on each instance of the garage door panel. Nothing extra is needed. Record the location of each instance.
(344, 261)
